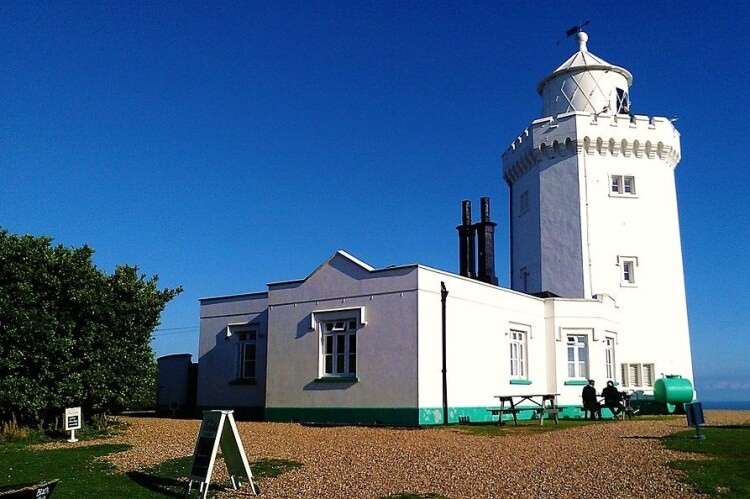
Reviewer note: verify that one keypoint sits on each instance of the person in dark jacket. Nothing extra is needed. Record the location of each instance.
(613, 399)
(590, 403)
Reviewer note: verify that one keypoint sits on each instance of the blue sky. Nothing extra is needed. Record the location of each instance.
(225, 145)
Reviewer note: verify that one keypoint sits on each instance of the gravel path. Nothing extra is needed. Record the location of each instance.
(611, 459)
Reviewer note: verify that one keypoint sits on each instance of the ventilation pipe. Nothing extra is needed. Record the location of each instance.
(486, 245)
(466, 245)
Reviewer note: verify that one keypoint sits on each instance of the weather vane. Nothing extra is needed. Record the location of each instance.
(575, 29)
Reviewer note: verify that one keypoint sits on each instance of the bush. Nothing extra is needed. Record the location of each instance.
(72, 335)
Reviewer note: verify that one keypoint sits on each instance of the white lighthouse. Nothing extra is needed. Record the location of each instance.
(594, 211)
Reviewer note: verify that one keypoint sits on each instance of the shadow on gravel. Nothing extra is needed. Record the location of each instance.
(641, 437)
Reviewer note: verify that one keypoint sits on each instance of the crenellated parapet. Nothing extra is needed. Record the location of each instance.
(614, 135)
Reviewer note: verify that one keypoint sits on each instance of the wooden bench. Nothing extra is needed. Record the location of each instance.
(541, 411)
(630, 412)
(500, 412)
(555, 412)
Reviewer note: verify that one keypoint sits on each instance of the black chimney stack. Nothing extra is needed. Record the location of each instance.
(486, 242)
(466, 248)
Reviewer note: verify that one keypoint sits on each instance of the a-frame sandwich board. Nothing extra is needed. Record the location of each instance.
(219, 429)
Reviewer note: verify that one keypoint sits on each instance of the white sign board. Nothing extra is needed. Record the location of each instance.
(72, 422)
(72, 418)
(219, 429)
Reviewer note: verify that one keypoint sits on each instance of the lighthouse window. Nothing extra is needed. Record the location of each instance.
(616, 184)
(622, 185)
(627, 269)
(623, 103)
(628, 185)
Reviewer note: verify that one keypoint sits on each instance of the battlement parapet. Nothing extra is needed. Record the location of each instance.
(569, 134)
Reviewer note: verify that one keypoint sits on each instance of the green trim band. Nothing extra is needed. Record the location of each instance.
(241, 413)
(520, 382)
(576, 382)
(337, 379)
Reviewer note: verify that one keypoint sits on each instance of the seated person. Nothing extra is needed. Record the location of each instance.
(612, 399)
(590, 403)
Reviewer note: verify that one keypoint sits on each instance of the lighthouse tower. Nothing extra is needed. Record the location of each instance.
(594, 212)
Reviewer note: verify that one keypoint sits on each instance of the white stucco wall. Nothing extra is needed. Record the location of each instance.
(654, 328)
(386, 345)
(596, 319)
(478, 319)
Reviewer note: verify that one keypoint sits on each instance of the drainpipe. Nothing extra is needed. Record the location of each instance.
(443, 299)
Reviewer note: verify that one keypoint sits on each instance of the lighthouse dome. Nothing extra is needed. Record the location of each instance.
(585, 83)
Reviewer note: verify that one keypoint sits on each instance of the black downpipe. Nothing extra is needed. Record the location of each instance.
(443, 299)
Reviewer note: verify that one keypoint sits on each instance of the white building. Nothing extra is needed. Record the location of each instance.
(596, 277)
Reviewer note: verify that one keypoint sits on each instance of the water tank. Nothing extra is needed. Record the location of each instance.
(673, 389)
(175, 386)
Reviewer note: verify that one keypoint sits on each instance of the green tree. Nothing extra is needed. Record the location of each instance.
(71, 334)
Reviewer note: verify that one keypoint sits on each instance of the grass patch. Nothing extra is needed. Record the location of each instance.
(263, 468)
(169, 477)
(727, 472)
(270, 468)
(531, 426)
(82, 474)
(524, 427)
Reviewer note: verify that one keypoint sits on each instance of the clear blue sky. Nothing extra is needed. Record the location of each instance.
(225, 145)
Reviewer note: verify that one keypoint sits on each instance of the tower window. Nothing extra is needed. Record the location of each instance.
(627, 265)
(622, 185)
(627, 272)
(616, 184)
(628, 185)
(623, 102)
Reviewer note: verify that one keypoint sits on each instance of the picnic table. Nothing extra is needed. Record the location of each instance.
(542, 403)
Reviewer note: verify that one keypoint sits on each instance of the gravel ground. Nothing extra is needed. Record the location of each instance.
(611, 459)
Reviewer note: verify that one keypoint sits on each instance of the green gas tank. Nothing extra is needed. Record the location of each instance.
(673, 389)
